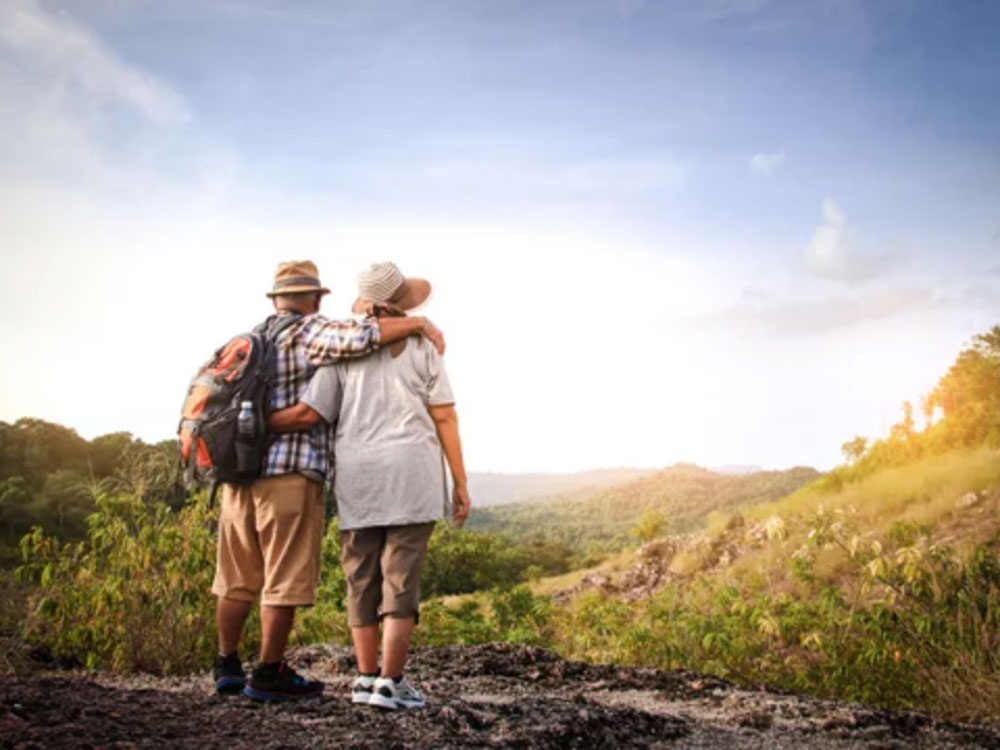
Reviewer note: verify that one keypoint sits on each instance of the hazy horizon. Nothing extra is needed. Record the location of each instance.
(719, 232)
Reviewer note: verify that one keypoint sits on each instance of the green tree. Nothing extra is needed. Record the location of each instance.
(33, 448)
(649, 526)
(150, 472)
(969, 394)
(106, 451)
(854, 449)
(66, 500)
(16, 514)
(905, 428)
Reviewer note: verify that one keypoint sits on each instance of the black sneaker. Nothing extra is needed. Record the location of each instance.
(279, 682)
(229, 675)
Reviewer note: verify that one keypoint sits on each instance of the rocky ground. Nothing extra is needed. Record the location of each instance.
(487, 696)
(650, 568)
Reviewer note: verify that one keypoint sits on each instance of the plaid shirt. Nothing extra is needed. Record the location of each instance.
(311, 342)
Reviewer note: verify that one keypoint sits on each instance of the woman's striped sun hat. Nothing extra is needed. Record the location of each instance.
(384, 284)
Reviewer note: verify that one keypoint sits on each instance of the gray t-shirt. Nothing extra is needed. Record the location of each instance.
(388, 466)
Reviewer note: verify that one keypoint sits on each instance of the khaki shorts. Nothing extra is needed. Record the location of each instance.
(382, 565)
(270, 537)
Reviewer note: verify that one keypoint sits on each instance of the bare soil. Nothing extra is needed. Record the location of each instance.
(493, 696)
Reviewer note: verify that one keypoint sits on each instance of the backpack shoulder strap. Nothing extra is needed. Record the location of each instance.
(275, 325)
(283, 322)
(269, 331)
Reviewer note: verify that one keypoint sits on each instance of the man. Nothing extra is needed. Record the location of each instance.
(270, 532)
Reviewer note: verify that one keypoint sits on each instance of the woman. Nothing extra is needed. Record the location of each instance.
(393, 412)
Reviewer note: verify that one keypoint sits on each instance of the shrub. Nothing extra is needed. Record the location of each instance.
(462, 561)
(133, 595)
(442, 624)
(512, 615)
(326, 622)
(649, 526)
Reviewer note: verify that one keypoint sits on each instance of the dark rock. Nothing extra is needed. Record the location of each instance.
(495, 696)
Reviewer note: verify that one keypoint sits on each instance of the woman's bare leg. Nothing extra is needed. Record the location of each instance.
(366, 648)
(396, 633)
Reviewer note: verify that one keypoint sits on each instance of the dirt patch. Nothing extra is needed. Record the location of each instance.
(488, 696)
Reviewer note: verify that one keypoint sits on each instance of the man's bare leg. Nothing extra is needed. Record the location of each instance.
(366, 648)
(396, 632)
(276, 624)
(230, 616)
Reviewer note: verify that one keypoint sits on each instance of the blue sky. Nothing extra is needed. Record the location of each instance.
(709, 230)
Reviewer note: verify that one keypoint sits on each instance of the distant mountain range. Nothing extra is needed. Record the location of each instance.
(492, 488)
(736, 469)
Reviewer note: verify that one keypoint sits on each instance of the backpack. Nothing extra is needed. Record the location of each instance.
(223, 429)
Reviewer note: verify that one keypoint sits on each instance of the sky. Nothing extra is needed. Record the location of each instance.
(718, 231)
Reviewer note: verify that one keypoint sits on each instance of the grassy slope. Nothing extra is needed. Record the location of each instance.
(926, 493)
(930, 496)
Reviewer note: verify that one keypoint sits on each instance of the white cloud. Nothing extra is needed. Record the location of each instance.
(76, 116)
(766, 164)
(65, 53)
(826, 253)
(757, 313)
(829, 256)
(808, 309)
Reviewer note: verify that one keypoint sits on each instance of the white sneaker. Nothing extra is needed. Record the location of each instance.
(361, 688)
(392, 695)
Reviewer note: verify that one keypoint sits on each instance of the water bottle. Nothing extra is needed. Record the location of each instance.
(247, 458)
(245, 421)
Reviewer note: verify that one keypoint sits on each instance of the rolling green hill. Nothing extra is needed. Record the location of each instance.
(682, 497)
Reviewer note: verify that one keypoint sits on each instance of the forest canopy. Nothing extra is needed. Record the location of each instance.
(49, 476)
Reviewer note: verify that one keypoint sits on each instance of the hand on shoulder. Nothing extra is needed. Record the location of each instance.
(433, 334)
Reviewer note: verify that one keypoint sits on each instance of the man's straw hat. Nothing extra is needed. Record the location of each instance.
(296, 276)
(384, 284)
